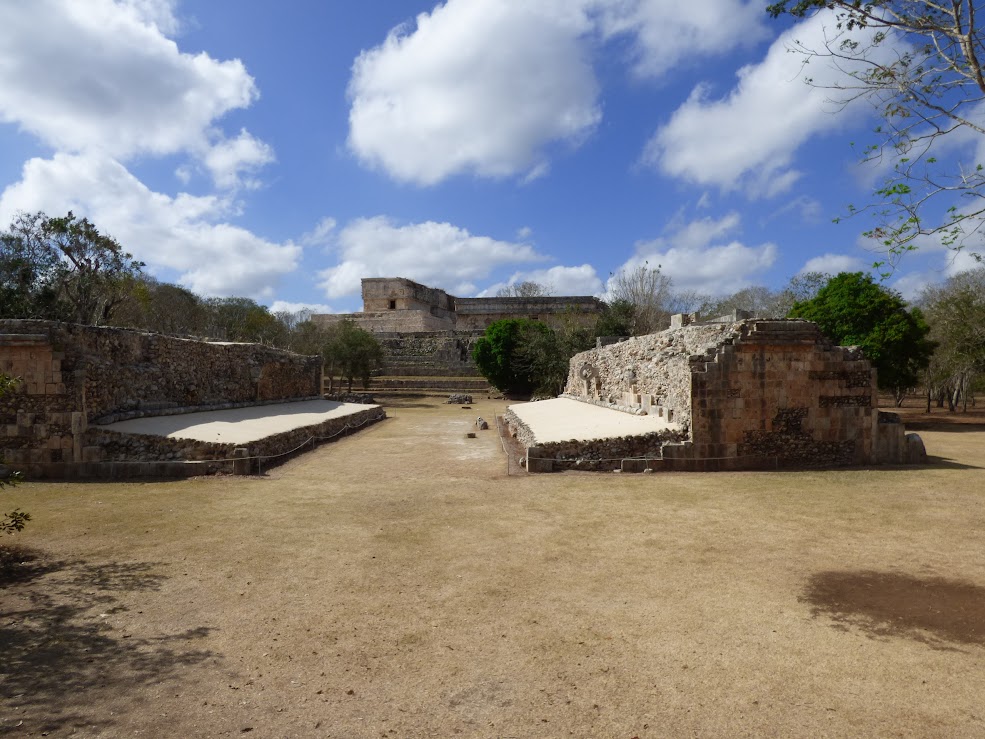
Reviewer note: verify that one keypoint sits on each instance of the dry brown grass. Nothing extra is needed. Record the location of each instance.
(399, 583)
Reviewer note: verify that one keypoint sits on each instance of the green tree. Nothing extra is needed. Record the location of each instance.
(956, 313)
(616, 319)
(919, 62)
(543, 353)
(29, 272)
(16, 519)
(351, 352)
(853, 310)
(497, 350)
(97, 276)
(243, 319)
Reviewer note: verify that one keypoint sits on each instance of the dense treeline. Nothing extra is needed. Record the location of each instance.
(937, 344)
(64, 269)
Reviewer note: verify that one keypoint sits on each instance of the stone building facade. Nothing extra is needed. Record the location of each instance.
(750, 394)
(399, 305)
(74, 378)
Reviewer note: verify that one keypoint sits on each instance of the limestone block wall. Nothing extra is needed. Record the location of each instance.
(399, 293)
(475, 314)
(751, 394)
(399, 321)
(782, 394)
(648, 372)
(73, 376)
(447, 354)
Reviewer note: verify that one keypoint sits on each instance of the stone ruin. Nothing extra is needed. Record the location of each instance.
(75, 379)
(742, 394)
(428, 336)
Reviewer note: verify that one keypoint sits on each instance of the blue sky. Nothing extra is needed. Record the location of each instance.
(282, 151)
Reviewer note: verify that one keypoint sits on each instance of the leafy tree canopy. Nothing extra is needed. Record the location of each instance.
(63, 268)
(496, 353)
(853, 310)
(351, 352)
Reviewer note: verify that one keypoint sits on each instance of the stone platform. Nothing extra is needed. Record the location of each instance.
(241, 426)
(210, 442)
(564, 433)
(561, 419)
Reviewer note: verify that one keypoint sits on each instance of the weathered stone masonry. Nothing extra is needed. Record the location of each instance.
(751, 394)
(74, 377)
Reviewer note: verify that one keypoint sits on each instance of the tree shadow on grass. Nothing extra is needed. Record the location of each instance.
(938, 612)
(58, 654)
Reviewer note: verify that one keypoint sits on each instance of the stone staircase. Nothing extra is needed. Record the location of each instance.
(424, 385)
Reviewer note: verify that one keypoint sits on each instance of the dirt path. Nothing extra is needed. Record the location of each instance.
(399, 583)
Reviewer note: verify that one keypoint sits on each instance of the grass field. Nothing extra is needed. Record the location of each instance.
(400, 583)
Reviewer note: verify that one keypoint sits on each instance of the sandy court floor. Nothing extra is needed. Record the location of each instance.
(239, 425)
(561, 419)
(398, 583)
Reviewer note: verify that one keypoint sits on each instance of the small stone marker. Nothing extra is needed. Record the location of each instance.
(470, 435)
(242, 464)
(481, 424)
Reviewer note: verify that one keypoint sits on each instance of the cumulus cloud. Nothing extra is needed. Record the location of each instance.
(747, 139)
(233, 162)
(486, 87)
(476, 86)
(663, 36)
(560, 280)
(185, 233)
(102, 76)
(701, 256)
(436, 254)
(833, 264)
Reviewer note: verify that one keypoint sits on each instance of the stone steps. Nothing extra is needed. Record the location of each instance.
(426, 385)
(401, 368)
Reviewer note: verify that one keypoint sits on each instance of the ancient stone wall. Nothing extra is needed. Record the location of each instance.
(648, 372)
(397, 321)
(399, 305)
(475, 314)
(429, 354)
(399, 293)
(74, 376)
(749, 395)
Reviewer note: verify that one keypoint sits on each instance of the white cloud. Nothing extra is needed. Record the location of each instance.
(488, 86)
(560, 280)
(282, 306)
(699, 256)
(911, 285)
(321, 234)
(747, 139)
(665, 35)
(101, 76)
(833, 264)
(436, 254)
(808, 209)
(184, 233)
(477, 86)
(231, 161)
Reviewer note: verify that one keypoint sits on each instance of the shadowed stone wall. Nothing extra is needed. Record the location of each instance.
(73, 376)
